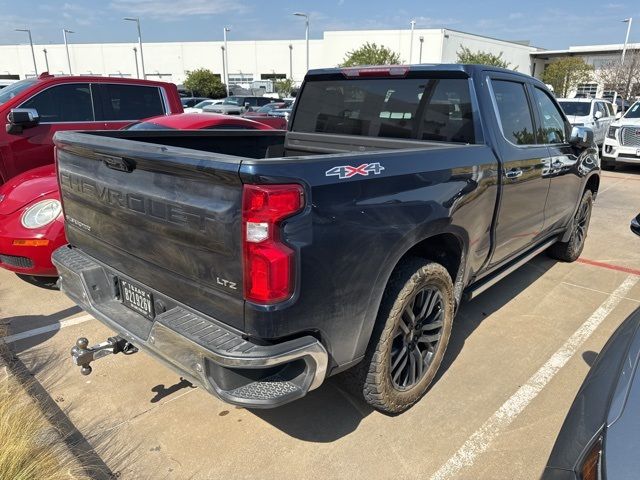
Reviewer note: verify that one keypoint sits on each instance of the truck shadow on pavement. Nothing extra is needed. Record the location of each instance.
(23, 323)
(330, 413)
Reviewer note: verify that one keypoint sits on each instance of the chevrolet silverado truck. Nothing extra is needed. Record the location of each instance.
(259, 263)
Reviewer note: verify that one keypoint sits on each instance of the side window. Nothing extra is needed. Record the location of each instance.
(553, 128)
(600, 108)
(63, 103)
(515, 114)
(264, 101)
(609, 110)
(128, 102)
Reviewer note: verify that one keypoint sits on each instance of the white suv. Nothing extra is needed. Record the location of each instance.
(622, 144)
(589, 112)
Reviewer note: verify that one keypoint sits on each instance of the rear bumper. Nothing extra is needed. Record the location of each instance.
(220, 359)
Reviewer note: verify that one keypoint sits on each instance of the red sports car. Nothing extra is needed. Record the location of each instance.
(31, 223)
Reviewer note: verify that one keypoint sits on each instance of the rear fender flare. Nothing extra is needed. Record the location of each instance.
(396, 253)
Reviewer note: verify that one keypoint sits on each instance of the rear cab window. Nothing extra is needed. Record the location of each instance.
(435, 109)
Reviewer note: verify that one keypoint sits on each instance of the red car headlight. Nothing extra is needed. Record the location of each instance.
(41, 213)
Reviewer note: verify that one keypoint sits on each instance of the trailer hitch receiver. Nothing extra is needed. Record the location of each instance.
(83, 355)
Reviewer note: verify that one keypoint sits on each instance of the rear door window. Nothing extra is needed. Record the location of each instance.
(118, 102)
(63, 103)
(514, 111)
(412, 108)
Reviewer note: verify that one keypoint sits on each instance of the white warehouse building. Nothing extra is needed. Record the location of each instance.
(251, 60)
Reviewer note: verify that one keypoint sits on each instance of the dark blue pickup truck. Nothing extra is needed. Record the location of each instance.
(258, 263)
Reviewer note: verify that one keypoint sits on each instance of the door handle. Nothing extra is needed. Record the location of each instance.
(514, 173)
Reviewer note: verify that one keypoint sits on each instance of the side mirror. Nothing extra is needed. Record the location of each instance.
(618, 115)
(21, 118)
(598, 115)
(635, 225)
(581, 137)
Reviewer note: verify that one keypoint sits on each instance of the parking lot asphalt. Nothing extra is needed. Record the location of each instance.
(517, 357)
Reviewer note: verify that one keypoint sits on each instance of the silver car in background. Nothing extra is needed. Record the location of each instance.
(594, 113)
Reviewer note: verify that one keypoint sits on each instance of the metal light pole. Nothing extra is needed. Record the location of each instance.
(626, 39)
(135, 56)
(33, 53)
(46, 59)
(306, 32)
(66, 46)
(226, 59)
(413, 26)
(291, 61)
(137, 20)
(421, 42)
(224, 68)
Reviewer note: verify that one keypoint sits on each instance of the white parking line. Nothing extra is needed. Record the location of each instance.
(480, 441)
(46, 329)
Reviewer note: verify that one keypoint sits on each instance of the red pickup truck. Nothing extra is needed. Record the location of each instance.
(36, 108)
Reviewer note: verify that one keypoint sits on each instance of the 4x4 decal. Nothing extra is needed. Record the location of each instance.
(347, 171)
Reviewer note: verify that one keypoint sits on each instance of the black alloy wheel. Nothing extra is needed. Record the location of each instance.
(416, 338)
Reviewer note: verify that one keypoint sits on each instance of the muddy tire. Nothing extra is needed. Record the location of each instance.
(409, 339)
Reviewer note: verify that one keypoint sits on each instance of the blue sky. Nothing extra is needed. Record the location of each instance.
(547, 24)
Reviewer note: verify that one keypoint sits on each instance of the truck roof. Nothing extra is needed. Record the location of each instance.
(398, 70)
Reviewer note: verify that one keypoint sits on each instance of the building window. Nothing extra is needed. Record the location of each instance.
(587, 90)
(240, 78)
(273, 76)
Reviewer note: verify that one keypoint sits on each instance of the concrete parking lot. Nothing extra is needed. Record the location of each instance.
(517, 356)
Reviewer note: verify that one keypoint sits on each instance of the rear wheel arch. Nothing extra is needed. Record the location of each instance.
(446, 248)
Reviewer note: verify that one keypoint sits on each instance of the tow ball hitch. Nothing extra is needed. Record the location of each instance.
(83, 355)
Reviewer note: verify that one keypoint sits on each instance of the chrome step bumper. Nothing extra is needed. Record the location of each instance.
(198, 347)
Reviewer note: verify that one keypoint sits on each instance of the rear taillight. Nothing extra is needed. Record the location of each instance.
(268, 263)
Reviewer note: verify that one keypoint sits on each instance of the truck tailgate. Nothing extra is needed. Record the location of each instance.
(169, 217)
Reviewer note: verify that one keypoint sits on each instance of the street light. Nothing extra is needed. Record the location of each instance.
(137, 20)
(421, 42)
(135, 57)
(225, 64)
(291, 61)
(306, 33)
(626, 39)
(66, 46)
(33, 53)
(46, 59)
(413, 26)
(224, 68)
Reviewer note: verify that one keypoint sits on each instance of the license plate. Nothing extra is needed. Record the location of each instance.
(136, 298)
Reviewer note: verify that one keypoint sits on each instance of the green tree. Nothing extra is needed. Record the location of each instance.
(565, 74)
(204, 83)
(465, 55)
(371, 54)
(284, 86)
